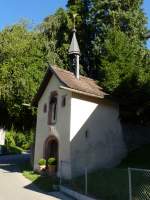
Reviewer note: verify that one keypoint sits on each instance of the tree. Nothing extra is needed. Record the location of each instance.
(22, 62)
(121, 62)
(126, 16)
(117, 52)
(56, 31)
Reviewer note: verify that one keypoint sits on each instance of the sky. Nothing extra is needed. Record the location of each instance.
(12, 11)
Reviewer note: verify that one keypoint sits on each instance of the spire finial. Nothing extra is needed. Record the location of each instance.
(74, 20)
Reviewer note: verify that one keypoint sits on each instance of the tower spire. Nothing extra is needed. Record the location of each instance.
(75, 50)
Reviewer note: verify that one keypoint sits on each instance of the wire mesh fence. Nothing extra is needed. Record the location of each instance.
(139, 184)
(106, 184)
(111, 184)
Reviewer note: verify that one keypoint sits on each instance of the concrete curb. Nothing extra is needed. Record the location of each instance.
(74, 194)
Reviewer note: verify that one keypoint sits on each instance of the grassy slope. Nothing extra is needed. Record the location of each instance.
(138, 158)
(107, 184)
(112, 184)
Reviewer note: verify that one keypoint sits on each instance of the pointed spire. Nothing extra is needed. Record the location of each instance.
(75, 50)
(74, 47)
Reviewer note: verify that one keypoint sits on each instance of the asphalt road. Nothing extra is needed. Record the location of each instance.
(13, 186)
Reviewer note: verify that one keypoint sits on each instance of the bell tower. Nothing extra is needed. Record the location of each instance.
(74, 51)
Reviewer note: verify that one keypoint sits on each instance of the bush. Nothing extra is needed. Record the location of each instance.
(51, 161)
(9, 138)
(20, 139)
(26, 146)
(42, 162)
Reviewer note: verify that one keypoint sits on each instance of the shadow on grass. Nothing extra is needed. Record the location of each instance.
(21, 163)
(137, 158)
(43, 184)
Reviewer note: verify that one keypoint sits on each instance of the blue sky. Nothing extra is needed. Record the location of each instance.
(11, 11)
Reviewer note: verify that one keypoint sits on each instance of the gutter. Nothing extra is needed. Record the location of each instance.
(81, 92)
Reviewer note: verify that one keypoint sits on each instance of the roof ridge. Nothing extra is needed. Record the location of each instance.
(69, 72)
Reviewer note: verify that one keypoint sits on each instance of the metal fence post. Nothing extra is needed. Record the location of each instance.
(86, 181)
(130, 184)
(60, 180)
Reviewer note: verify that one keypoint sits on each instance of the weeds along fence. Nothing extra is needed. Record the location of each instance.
(112, 184)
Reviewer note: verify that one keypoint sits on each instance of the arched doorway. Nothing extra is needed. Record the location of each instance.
(51, 148)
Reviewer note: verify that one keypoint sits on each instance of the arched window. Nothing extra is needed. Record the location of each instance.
(52, 114)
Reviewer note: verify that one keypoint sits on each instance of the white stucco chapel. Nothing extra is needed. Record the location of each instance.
(77, 122)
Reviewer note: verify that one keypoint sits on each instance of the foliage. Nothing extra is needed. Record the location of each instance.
(21, 70)
(9, 139)
(111, 39)
(51, 161)
(19, 139)
(42, 161)
(121, 62)
(56, 44)
(44, 183)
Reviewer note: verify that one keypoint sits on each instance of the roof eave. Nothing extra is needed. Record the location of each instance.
(50, 71)
(81, 92)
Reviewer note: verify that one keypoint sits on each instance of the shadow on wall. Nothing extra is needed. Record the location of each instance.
(99, 143)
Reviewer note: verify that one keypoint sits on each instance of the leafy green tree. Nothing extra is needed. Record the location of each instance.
(122, 61)
(21, 69)
(55, 31)
(126, 16)
(117, 52)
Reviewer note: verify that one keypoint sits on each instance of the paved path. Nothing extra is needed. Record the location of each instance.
(13, 186)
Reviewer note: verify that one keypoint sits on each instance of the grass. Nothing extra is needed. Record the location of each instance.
(43, 182)
(31, 175)
(137, 159)
(108, 184)
(112, 184)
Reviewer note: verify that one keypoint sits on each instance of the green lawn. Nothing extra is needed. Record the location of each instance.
(43, 182)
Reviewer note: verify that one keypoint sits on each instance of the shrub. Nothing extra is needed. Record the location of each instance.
(9, 138)
(20, 139)
(51, 161)
(26, 146)
(42, 162)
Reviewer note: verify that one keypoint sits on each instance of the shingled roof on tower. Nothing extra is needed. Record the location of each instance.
(74, 47)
